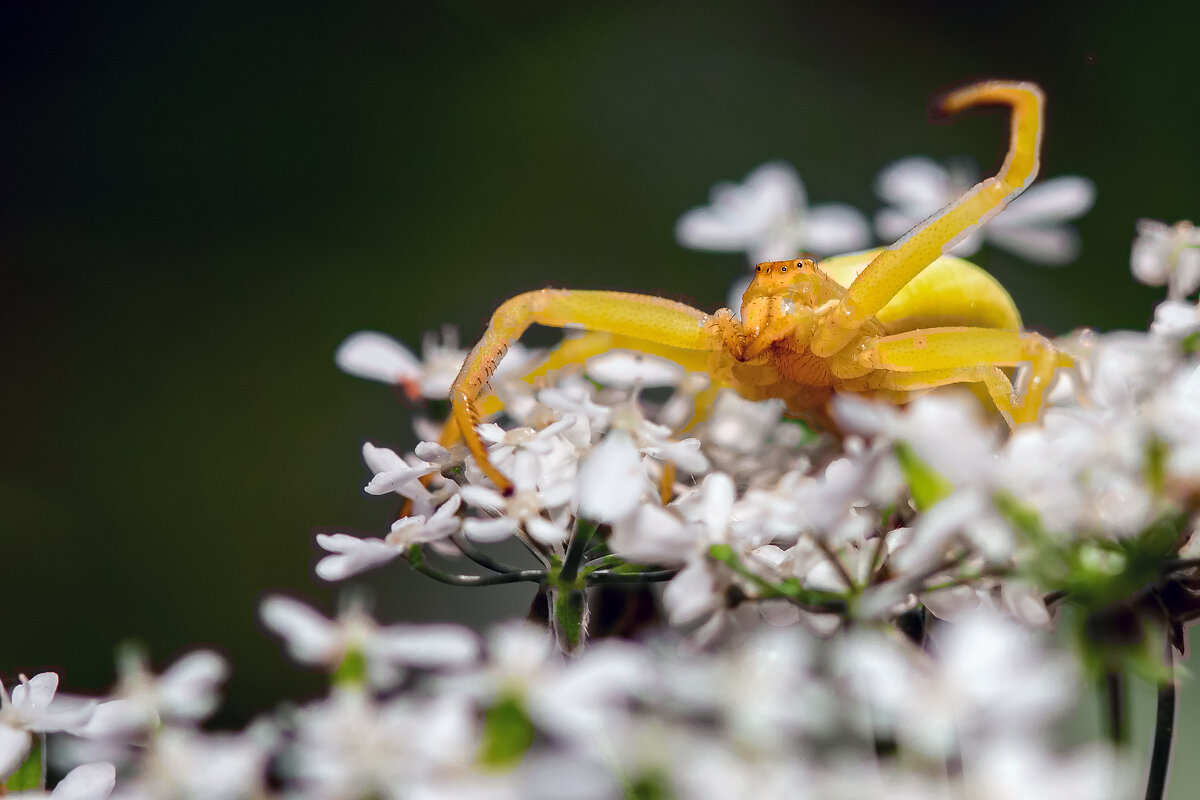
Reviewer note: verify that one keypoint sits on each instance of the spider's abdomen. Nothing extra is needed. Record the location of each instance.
(949, 292)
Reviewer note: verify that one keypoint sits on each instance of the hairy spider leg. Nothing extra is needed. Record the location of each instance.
(652, 321)
(893, 268)
(924, 359)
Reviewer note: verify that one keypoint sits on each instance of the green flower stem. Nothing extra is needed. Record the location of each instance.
(812, 600)
(1113, 694)
(963, 580)
(837, 563)
(878, 557)
(569, 615)
(578, 546)
(479, 557)
(416, 560)
(1164, 730)
(645, 576)
(604, 562)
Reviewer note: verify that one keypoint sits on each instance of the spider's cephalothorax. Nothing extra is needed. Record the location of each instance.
(888, 323)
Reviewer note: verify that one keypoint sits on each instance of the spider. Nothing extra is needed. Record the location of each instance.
(887, 323)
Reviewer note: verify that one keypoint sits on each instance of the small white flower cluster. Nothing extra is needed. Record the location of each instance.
(777, 712)
(767, 215)
(846, 617)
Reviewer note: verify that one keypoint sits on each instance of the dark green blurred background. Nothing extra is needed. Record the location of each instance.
(197, 203)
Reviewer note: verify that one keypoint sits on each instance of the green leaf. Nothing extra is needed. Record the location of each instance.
(28, 776)
(507, 734)
(927, 486)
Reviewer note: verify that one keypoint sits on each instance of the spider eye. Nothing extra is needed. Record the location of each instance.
(783, 269)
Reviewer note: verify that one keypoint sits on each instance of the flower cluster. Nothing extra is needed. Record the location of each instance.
(768, 218)
(838, 616)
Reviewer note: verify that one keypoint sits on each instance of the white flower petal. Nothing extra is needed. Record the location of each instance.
(691, 594)
(891, 224)
(1057, 200)
(397, 479)
(87, 782)
(545, 531)
(33, 697)
(740, 215)
(310, 637)
(14, 747)
(352, 555)
(377, 357)
(918, 185)
(611, 480)
(653, 535)
(835, 228)
(625, 368)
(1045, 246)
(482, 497)
(427, 646)
(188, 688)
(489, 530)
(381, 459)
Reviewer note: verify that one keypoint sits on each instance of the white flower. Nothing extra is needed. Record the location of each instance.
(349, 745)
(313, 639)
(186, 692)
(612, 480)
(352, 555)
(378, 357)
(215, 766)
(533, 493)
(86, 782)
(991, 681)
(628, 369)
(1167, 255)
(1032, 225)
(33, 709)
(394, 474)
(1175, 319)
(768, 217)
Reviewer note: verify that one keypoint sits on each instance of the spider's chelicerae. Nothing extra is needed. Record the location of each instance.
(885, 323)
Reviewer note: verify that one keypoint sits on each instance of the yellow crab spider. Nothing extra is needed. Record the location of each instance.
(887, 323)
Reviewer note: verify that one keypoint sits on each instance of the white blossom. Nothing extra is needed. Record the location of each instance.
(1167, 255)
(313, 639)
(350, 555)
(1031, 226)
(769, 218)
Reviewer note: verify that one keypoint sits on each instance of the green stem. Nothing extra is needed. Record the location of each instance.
(836, 563)
(573, 560)
(648, 576)
(1164, 731)
(468, 549)
(416, 560)
(812, 600)
(604, 562)
(1113, 691)
(570, 618)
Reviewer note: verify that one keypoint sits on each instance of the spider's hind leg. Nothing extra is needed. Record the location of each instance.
(927, 358)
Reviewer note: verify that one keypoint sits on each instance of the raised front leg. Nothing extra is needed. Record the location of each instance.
(893, 268)
(654, 320)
